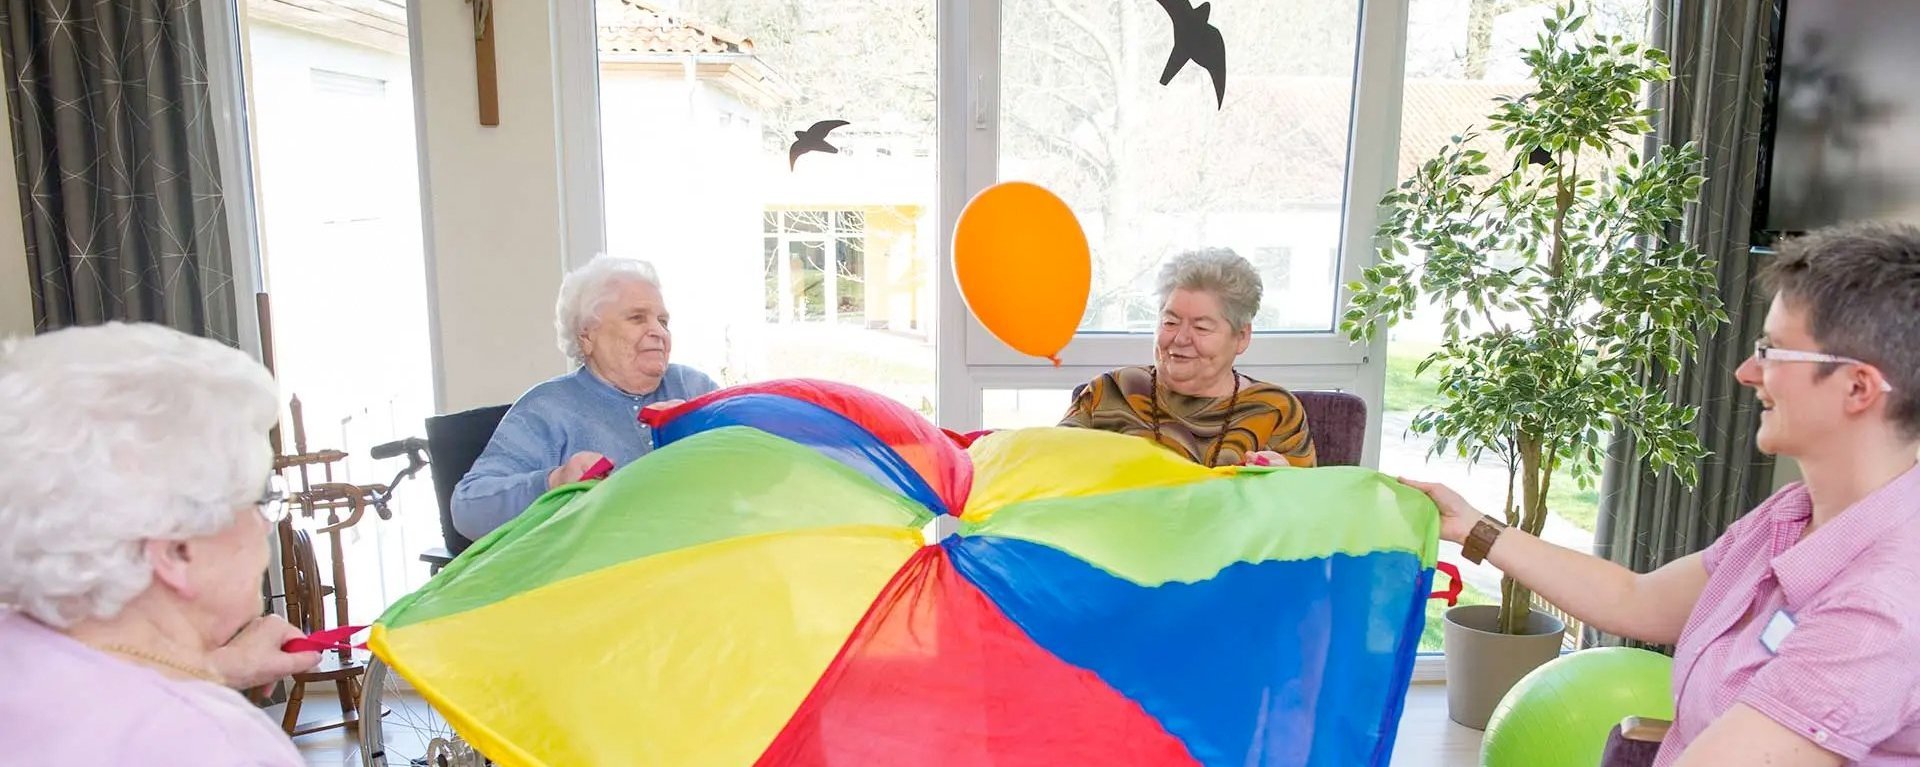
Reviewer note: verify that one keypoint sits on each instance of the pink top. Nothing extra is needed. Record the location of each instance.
(1821, 635)
(62, 702)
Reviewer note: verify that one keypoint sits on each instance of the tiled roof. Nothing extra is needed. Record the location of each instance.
(637, 27)
(1433, 111)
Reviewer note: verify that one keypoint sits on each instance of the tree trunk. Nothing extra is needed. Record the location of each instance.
(1121, 212)
(1480, 18)
(1516, 601)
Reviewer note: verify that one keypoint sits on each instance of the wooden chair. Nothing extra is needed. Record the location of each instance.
(307, 590)
(306, 610)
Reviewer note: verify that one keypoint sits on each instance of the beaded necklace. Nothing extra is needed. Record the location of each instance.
(1219, 440)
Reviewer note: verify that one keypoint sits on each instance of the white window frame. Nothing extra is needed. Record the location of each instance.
(968, 360)
(833, 241)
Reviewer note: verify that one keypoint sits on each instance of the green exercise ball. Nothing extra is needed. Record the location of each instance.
(1560, 713)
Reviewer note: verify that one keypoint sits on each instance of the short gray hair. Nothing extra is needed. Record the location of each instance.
(1859, 285)
(1219, 271)
(584, 292)
(114, 435)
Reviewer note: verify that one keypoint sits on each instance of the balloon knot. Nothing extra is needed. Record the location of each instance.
(1054, 360)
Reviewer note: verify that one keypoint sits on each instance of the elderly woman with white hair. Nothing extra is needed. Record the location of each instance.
(1191, 400)
(136, 500)
(613, 325)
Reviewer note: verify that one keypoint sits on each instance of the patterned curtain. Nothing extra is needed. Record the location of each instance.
(119, 179)
(1648, 518)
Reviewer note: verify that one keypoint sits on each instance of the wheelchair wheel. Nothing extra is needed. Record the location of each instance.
(399, 729)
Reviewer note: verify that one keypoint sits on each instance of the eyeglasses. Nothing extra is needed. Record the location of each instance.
(1765, 352)
(273, 500)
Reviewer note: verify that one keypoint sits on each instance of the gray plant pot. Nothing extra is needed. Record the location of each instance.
(1482, 664)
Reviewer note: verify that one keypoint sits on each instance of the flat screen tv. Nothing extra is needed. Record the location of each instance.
(1846, 115)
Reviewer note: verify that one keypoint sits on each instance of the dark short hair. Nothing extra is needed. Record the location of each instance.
(1859, 285)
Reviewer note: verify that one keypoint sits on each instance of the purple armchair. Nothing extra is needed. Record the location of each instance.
(1336, 422)
(1633, 742)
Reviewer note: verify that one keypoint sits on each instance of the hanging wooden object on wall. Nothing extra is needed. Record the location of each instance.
(484, 71)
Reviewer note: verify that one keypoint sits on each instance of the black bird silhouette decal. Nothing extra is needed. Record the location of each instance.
(1541, 157)
(1196, 40)
(813, 139)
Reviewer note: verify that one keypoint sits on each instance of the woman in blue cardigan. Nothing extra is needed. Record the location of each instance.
(613, 324)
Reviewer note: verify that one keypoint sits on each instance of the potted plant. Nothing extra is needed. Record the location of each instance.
(1558, 289)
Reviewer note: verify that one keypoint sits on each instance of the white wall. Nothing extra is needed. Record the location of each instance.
(495, 225)
(16, 302)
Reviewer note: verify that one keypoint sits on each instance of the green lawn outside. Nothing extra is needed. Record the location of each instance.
(1408, 393)
(1430, 638)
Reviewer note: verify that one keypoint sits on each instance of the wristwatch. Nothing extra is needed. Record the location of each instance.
(1480, 539)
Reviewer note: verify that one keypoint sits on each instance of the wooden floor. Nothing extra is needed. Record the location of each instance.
(1427, 738)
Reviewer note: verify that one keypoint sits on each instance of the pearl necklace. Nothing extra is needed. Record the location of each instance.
(159, 660)
(1219, 440)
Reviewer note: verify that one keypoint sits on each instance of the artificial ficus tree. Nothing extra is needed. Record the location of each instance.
(1557, 278)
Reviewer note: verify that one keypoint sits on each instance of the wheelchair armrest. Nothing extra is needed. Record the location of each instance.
(1644, 729)
(436, 558)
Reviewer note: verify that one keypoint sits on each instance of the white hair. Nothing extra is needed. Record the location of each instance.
(585, 291)
(114, 435)
(1220, 271)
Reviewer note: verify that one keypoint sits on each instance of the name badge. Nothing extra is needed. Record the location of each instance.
(1776, 631)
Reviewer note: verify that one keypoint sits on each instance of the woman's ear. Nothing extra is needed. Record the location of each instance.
(170, 561)
(1245, 340)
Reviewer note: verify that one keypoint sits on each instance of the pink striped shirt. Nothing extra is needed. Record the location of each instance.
(1841, 662)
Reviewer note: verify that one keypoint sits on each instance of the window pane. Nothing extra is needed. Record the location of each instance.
(1154, 170)
(778, 265)
(850, 281)
(330, 102)
(808, 221)
(807, 263)
(770, 271)
(1023, 408)
(1460, 56)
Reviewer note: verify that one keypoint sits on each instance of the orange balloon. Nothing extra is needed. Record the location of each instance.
(1022, 263)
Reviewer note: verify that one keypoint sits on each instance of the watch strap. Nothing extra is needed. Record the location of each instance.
(1480, 539)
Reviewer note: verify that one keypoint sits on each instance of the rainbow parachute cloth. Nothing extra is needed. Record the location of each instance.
(808, 574)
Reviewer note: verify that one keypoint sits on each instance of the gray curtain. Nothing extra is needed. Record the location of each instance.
(1647, 518)
(119, 178)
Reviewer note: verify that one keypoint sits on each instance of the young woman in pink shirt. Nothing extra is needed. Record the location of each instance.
(1797, 632)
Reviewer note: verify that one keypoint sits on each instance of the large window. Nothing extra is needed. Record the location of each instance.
(1277, 167)
(785, 262)
(836, 265)
(1461, 55)
(776, 264)
(335, 180)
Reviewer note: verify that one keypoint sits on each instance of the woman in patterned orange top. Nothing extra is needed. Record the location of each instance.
(1191, 400)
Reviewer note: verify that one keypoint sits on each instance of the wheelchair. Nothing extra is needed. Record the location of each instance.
(397, 727)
